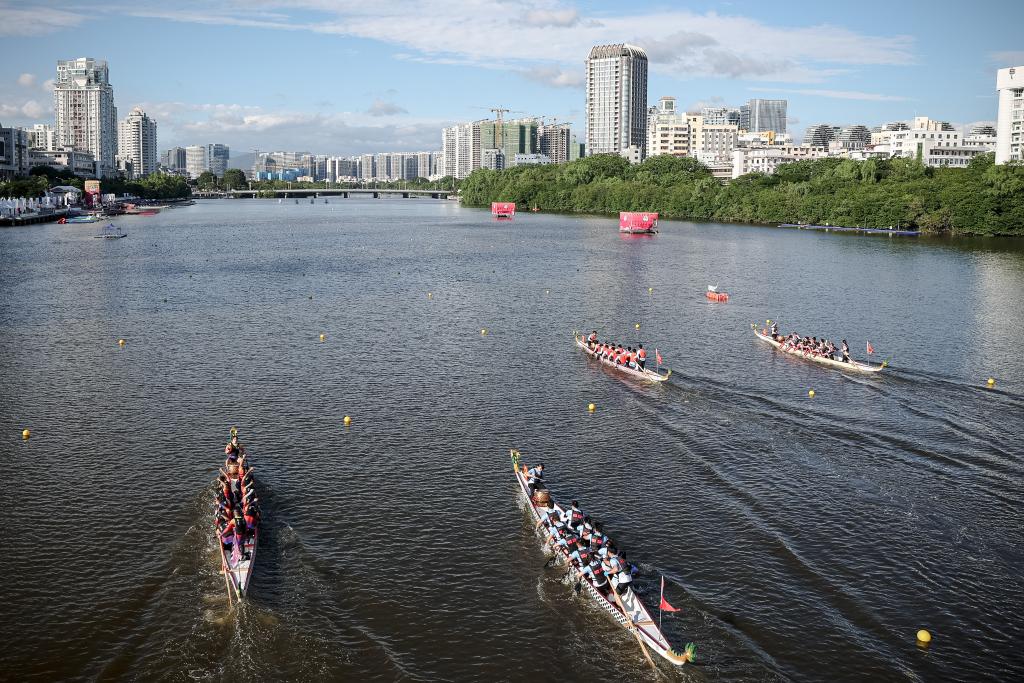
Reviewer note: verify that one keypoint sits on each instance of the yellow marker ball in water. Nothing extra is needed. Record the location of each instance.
(483, 331)
(25, 434)
(811, 393)
(923, 637)
(347, 420)
(637, 326)
(430, 295)
(323, 337)
(650, 290)
(991, 381)
(591, 407)
(121, 342)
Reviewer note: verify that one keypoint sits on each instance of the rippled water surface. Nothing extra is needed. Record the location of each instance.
(804, 539)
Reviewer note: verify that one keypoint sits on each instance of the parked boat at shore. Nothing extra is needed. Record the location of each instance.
(623, 605)
(838, 228)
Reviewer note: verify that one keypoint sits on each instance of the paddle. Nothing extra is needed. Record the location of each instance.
(634, 627)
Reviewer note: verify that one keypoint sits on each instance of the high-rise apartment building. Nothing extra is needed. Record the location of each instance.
(217, 157)
(14, 152)
(461, 149)
(760, 115)
(718, 116)
(174, 159)
(42, 136)
(195, 161)
(553, 142)
(617, 100)
(577, 149)
(1010, 120)
(136, 143)
(713, 143)
(853, 137)
(668, 131)
(933, 143)
(84, 111)
(426, 164)
(820, 134)
(515, 136)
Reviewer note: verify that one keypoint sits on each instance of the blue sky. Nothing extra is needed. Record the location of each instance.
(347, 77)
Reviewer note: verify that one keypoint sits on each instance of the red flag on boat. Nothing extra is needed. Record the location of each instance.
(657, 357)
(663, 605)
(871, 349)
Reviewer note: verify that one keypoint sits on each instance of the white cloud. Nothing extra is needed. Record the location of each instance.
(474, 32)
(383, 108)
(32, 109)
(837, 94)
(35, 21)
(556, 76)
(1008, 58)
(244, 127)
(47, 85)
(26, 79)
(553, 17)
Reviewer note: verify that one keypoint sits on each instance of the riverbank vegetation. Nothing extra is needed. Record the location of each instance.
(982, 199)
(41, 178)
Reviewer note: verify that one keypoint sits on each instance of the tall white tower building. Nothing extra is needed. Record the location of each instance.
(617, 100)
(1010, 121)
(136, 142)
(86, 118)
(196, 161)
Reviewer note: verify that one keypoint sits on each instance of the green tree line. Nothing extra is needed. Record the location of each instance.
(981, 199)
(41, 178)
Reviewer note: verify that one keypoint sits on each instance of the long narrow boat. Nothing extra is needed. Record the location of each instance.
(633, 615)
(237, 563)
(852, 366)
(646, 373)
(238, 568)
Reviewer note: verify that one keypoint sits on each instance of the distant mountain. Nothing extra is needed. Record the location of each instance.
(242, 161)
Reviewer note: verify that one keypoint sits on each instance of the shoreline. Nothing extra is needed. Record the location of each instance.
(775, 224)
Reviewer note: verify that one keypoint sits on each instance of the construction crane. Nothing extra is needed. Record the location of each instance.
(499, 133)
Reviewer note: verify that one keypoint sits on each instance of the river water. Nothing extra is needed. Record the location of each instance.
(802, 538)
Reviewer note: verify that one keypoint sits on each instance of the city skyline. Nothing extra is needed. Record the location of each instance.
(319, 77)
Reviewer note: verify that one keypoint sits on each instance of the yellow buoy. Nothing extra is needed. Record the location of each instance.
(347, 420)
(811, 393)
(483, 331)
(923, 637)
(430, 295)
(547, 291)
(991, 381)
(591, 407)
(25, 434)
(650, 290)
(323, 337)
(120, 342)
(637, 326)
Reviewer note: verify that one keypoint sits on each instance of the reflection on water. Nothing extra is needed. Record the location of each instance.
(802, 538)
